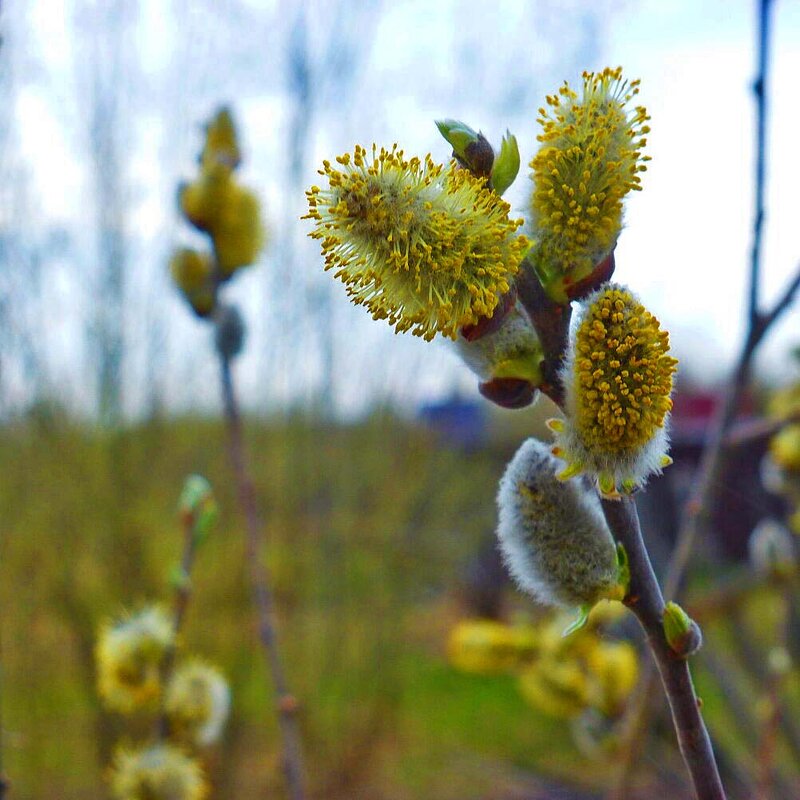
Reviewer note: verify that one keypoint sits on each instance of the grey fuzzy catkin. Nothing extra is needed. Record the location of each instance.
(553, 537)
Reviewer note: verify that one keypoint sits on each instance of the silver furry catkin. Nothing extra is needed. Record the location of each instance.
(554, 539)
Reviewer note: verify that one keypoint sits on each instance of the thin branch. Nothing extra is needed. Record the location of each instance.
(551, 321)
(183, 590)
(760, 91)
(646, 601)
(644, 596)
(285, 702)
(731, 594)
(757, 430)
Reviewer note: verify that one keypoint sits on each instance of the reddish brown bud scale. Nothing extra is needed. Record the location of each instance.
(601, 274)
(508, 392)
(487, 325)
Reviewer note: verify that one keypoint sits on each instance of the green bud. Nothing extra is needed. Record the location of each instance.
(682, 632)
(579, 622)
(198, 506)
(458, 134)
(623, 571)
(472, 150)
(178, 579)
(506, 164)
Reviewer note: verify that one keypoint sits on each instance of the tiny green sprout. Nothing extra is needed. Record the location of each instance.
(179, 579)
(198, 506)
(682, 632)
(506, 164)
(579, 621)
(623, 571)
(471, 149)
(458, 134)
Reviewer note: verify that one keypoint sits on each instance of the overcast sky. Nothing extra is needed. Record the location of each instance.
(685, 248)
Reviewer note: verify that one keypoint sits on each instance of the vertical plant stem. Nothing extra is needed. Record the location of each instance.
(645, 600)
(183, 590)
(285, 703)
(760, 92)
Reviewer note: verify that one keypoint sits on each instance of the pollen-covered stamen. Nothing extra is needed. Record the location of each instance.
(623, 374)
(617, 380)
(590, 158)
(427, 248)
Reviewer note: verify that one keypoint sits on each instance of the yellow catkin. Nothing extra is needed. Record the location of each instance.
(221, 145)
(556, 687)
(617, 378)
(237, 231)
(428, 248)
(128, 655)
(590, 158)
(488, 647)
(160, 772)
(785, 448)
(197, 702)
(623, 374)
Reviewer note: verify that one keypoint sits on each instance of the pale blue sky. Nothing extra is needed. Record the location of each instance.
(688, 233)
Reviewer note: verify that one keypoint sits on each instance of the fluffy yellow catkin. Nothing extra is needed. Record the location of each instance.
(428, 248)
(128, 655)
(618, 380)
(590, 158)
(193, 274)
(158, 772)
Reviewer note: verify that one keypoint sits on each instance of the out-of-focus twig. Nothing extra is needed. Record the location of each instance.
(183, 591)
(757, 430)
(285, 703)
(732, 593)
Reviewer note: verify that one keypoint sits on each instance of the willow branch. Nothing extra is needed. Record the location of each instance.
(645, 600)
(760, 92)
(757, 430)
(285, 702)
(644, 597)
(183, 590)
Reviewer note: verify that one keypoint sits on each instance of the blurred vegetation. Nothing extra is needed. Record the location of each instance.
(370, 528)
(367, 528)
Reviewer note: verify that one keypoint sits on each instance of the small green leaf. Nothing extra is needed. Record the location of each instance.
(506, 164)
(623, 568)
(578, 622)
(178, 579)
(197, 505)
(458, 134)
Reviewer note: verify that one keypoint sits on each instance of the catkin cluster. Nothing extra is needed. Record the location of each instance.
(432, 249)
(216, 204)
(141, 671)
(580, 677)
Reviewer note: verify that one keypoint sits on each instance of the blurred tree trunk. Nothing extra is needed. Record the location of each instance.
(104, 79)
